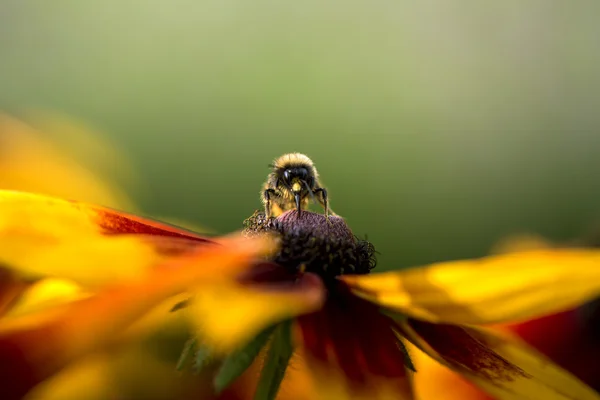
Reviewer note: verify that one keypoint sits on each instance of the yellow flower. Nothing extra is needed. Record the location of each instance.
(137, 263)
(354, 343)
(77, 278)
(37, 160)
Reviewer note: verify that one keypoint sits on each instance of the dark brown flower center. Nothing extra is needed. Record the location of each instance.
(314, 243)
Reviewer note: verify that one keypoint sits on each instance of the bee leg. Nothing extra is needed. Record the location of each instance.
(267, 199)
(323, 200)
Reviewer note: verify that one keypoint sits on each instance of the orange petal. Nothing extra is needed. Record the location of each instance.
(507, 287)
(45, 236)
(35, 347)
(506, 369)
(230, 314)
(350, 341)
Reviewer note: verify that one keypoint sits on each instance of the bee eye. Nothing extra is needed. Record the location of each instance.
(286, 174)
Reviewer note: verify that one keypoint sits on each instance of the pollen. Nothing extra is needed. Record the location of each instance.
(312, 242)
(296, 187)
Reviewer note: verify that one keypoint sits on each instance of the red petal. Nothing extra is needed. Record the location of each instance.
(267, 273)
(463, 351)
(502, 366)
(117, 222)
(18, 374)
(351, 335)
(574, 343)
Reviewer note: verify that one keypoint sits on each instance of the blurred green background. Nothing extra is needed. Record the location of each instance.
(438, 127)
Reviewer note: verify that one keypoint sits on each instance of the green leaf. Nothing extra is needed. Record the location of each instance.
(407, 360)
(239, 361)
(278, 358)
(396, 316)
(203, 358)
(400, 318)
(186, 353)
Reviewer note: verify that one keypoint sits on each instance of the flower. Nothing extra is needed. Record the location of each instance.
(37, 160)
(354, 343)
(78, 281)
(130, 265)
(351, 326)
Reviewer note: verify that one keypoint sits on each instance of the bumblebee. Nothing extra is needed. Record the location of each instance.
(293, 181)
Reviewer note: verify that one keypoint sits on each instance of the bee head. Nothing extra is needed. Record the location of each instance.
(299, 180)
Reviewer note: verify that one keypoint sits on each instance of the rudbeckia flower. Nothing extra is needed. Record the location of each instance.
(314, 303)
(80, 306)
(39, 161)
(353, 343)
(129, 264)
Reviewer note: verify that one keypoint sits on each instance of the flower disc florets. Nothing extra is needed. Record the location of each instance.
(315, 243)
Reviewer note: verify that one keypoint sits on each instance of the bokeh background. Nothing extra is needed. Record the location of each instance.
(438, 127)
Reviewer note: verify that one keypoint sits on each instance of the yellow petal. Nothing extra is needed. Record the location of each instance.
(44, 294)
(502, 366)
(39, 161)
(230, 314)
(36, 346)
(11, 290)
(494, 289)
(45, 236)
